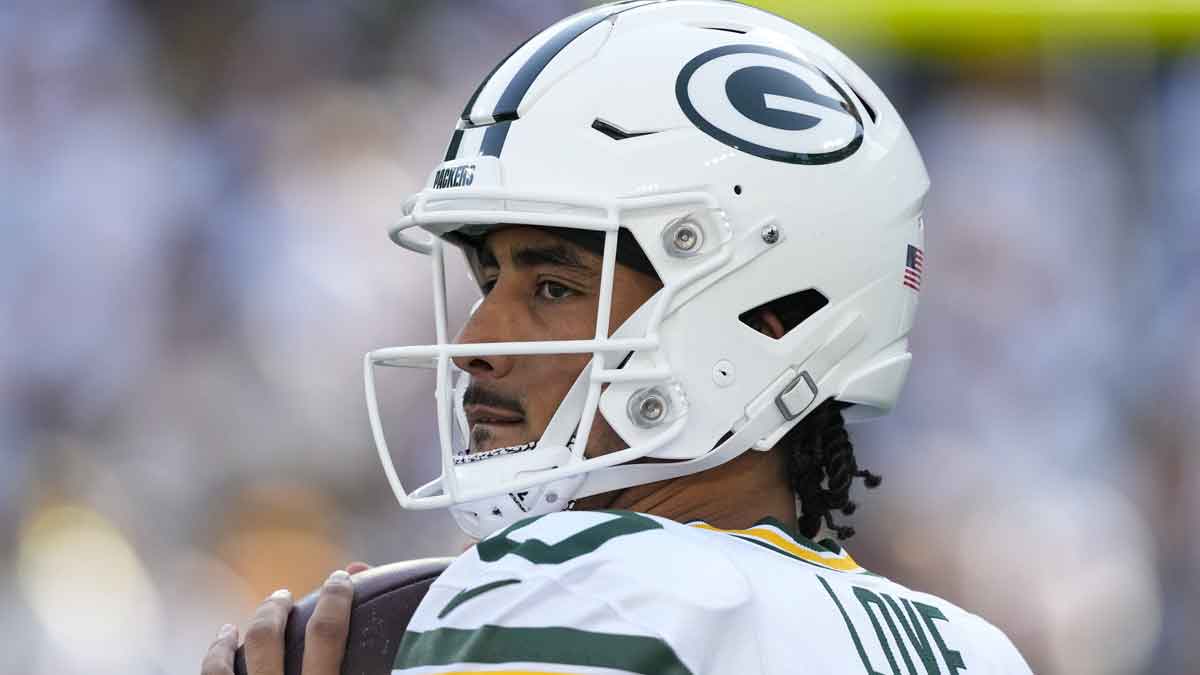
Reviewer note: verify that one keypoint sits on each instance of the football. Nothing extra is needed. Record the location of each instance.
(385, 599)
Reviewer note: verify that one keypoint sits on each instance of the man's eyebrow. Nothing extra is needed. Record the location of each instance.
(558, 255)
(534, 256)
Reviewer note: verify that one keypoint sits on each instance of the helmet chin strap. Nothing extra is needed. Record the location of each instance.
(482, 517)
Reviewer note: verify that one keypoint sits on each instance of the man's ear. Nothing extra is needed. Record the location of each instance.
(767, 322)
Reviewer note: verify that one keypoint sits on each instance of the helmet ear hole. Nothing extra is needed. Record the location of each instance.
(789, 311)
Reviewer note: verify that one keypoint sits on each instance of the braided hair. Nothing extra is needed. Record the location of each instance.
(821, 467)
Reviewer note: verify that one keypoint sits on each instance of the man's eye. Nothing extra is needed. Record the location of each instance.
(551, 290)
(487, 286)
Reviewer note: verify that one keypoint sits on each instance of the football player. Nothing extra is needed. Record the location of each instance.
(697, 232)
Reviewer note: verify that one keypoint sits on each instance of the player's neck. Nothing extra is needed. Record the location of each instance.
(734, 495)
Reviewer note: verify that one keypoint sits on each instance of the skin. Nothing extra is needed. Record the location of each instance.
(536, 287)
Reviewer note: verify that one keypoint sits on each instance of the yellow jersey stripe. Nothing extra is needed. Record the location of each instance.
(841, 563)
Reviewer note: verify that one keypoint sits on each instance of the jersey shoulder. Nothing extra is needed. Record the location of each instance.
(610, 590)
(562, 545)
(620, 557)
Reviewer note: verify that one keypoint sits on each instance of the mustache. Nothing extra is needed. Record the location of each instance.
(476, 394)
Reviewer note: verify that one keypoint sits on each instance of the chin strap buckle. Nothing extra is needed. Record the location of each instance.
(794, 399)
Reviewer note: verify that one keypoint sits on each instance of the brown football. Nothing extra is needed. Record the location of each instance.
(385, 599)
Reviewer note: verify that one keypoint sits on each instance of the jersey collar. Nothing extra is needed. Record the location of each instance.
(772, 534)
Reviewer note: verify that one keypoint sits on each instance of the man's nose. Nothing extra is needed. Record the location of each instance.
(487, 324)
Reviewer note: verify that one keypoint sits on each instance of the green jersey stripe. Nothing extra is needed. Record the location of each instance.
(560, 646)
(578, 544)
(468, 593)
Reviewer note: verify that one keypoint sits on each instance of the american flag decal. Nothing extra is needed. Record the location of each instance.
(913, 265)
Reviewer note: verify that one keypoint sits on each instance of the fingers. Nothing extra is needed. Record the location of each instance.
(219, 659)
(325, 636)
(264, 637)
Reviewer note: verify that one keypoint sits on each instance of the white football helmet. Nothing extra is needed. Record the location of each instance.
(751, 160)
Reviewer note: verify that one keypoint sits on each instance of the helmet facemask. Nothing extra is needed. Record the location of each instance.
(490, 489)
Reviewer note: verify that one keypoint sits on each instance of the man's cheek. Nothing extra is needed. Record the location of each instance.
(603, 440)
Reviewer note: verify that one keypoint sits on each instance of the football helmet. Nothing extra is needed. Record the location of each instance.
(751, 161)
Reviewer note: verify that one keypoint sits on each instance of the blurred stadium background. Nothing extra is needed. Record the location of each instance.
(193, 199)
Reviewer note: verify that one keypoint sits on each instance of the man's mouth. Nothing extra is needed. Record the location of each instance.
(482, 414)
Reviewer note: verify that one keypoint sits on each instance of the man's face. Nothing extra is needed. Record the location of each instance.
(537, 287)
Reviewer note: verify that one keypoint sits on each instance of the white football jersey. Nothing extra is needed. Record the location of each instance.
(616, 593)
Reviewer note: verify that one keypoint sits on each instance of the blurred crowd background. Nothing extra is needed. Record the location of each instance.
(193, 198)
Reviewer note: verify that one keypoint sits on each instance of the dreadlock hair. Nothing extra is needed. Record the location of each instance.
(822, 468)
